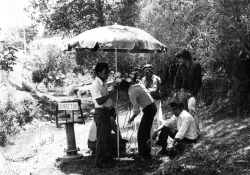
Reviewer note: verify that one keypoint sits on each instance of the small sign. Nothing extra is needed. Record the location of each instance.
(68, 106)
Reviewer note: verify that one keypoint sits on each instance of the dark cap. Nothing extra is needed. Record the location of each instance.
(176, 104)
(184, 53)
(100, 66)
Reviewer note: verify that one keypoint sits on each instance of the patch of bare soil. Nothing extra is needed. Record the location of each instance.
(36, 150)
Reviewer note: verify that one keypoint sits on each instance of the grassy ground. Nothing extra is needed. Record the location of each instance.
(222, 149)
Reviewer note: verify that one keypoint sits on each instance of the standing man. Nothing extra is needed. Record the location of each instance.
(140, 97)
(188, 81)
(153, 83)
(181, 127)
(113, 138)
(102, 114)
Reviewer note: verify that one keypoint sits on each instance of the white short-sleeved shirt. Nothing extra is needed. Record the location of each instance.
(186, 125)
(139, 97)
(99, 89)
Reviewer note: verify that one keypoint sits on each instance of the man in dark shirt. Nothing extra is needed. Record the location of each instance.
(188, 81)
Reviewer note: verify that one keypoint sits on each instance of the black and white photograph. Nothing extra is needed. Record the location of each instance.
(124, 87)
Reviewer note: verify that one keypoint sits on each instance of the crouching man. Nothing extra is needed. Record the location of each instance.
(181, 127)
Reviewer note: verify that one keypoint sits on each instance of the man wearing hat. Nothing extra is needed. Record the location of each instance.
(188, 81)
(152, 83)
(181, 127)
(103, 113)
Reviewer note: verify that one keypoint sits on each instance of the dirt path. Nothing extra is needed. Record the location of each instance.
(36, 149)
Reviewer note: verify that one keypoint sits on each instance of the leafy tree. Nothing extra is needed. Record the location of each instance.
(66, 17)
(30, 33)
(8, 59)
(13, 39)
(48, 63)
(15, 36)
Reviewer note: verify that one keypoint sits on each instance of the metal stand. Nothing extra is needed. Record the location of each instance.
(69, 120)
(71, 144)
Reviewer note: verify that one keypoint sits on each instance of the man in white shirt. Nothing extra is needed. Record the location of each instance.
(153, 83)
(185, 131)
(140, 97)
(102, 114)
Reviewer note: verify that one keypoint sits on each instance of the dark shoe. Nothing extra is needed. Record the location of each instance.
(163, 153)
(173, 152)
(109, 160)
(104, 166)
(147, 157)
(93, 153)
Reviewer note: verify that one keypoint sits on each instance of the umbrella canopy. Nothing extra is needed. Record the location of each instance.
(117, 37)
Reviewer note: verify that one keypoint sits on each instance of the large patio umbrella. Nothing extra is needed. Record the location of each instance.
(116, 38)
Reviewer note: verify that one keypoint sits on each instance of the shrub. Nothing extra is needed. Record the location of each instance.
(16, 110)
(48, 63)
(38, 76)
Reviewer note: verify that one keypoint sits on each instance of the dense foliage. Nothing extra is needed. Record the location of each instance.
(15, 112)
(73, 17)
(48, 63)
(217, 34)
(8, 59)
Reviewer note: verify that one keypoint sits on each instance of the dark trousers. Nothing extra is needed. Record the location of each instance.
(103, 125)
(144, 129)
(163, 138)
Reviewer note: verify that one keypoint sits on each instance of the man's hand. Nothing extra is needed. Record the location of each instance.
(114, 90)
(176, 140)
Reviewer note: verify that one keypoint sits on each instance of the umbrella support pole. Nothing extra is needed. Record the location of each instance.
(123, 159)
(117, 112)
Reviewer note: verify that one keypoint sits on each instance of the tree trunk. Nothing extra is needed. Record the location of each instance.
(99, 7)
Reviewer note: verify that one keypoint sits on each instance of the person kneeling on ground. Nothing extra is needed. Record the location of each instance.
(113, 139)
(186, 132)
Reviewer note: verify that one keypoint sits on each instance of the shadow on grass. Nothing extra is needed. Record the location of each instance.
(86, 166)
(224, 148)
